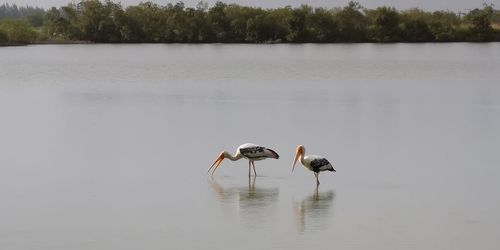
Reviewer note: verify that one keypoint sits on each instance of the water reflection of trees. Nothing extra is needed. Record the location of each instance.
(254, 205)
(314, 211)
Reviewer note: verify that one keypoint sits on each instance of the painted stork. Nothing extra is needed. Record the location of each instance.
(312, 162)
(248, 151)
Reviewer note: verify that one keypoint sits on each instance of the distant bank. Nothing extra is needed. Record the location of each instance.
(95, 21)
(42, 42)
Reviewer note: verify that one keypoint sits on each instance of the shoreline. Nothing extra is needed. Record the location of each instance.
(17, 44)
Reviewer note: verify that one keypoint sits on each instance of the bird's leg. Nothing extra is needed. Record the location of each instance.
(254, 172)
(317, 178)
(249, 167)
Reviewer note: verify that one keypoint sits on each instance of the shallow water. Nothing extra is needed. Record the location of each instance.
(107, 146)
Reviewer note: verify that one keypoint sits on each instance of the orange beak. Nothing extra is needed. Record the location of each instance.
(216, 163)
(297, 155)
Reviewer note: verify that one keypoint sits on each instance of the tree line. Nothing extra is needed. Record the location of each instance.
(108, 22)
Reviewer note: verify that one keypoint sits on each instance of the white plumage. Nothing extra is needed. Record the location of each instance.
(313, 163)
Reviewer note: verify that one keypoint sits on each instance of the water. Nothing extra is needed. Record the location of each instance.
(107, 146)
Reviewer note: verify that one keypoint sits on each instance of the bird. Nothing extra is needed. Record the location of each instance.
(314, 163)
(248, 151)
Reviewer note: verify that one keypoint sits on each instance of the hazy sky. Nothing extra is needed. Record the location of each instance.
(400, 4)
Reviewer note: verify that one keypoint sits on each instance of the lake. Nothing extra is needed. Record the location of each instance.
(108, 146)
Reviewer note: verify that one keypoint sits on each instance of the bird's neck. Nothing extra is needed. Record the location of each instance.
(234, 157)
(302, 156)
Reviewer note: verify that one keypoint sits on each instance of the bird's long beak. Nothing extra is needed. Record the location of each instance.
(297, 155)
(216, 163)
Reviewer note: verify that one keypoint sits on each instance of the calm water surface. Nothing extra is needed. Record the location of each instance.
(107, 146)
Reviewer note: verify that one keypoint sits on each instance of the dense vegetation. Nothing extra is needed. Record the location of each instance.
(107, 21)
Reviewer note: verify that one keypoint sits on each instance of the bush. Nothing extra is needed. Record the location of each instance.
(18, 31)
(416, 31)
(3, 37)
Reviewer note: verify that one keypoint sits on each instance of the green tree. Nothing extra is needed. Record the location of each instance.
(107, 21)
(201, 30)
(269, 26)
(444, 26)
(3, 37)
(385, 24)
(239, 17)
(413, 26)
(178, 23)
(36, 19)
(97, 20)
(149, 22)
(298, 24)
(481, 29)
(351, 23)
(416, 31)
(217, 18)
(58, 23)
(322, 26)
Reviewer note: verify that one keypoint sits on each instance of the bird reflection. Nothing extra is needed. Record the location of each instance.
(253, 205)
(313, 212)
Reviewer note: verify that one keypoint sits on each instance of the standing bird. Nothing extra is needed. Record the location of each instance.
(312, 162)
(249, 151)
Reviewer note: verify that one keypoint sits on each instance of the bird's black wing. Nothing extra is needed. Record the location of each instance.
(320, 164)
(253, 152)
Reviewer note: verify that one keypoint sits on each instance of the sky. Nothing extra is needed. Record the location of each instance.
(454, 5)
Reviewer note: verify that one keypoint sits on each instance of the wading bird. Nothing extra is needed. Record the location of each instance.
(249, 151)
(312, 162)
